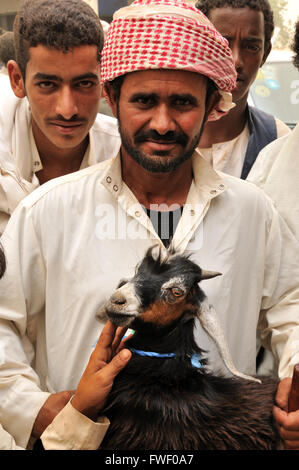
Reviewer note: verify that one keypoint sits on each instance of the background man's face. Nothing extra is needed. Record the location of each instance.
(161, 115)
(63, 90)
(245, 31)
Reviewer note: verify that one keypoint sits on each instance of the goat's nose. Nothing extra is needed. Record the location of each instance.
(118, 298)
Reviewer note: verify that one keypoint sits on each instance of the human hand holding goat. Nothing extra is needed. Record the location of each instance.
(286, 413)
(107, 360)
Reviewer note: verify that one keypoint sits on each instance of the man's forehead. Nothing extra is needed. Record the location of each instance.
(77, 61)
(228, 20)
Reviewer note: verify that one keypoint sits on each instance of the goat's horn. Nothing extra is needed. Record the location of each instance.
(209, 274)
(210, 323)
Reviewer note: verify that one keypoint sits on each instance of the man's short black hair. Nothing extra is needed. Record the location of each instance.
(295, 45)
(56, 24)
(259, 5)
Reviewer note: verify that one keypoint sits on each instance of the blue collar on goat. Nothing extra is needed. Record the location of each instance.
(194, 359)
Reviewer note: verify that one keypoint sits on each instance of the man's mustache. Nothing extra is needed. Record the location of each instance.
(73, 119)
(170, 136)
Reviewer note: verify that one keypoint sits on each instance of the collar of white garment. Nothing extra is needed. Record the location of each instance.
(35, 158)
(207, 181)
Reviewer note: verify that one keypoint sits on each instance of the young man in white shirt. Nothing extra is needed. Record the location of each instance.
(232, 144)
(49, 123)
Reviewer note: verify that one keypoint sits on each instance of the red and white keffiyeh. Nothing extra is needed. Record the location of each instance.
(168, 34)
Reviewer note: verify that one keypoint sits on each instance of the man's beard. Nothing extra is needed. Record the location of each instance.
(165, 163)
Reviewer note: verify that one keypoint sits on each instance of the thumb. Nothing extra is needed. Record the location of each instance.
(119, 361)
(283, 392)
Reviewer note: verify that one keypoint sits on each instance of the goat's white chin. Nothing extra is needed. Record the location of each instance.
(120, 319)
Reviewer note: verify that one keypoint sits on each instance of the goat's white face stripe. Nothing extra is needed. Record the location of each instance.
(132, 305)
(174, 282)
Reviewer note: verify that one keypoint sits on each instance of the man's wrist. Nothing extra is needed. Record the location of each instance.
(90, 413)
(52, 406)
(71, 430)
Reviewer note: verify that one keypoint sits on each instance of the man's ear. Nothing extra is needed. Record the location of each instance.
(109, 94)
(211, 103)
(16, 79)
(268, 47)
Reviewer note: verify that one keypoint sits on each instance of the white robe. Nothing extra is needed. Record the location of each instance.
(276, 171)
(70, 242)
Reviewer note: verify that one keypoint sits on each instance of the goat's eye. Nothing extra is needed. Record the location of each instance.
(177, 292)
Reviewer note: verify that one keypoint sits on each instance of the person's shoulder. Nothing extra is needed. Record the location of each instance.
(276, 145)
(7, 96)
(249, 201)
(4, 80)
(270, 119)
(9, 103)
(260, 112)
(245, 193)
(239, 185)
(106, 125)
(266, 159)
(282, 128)
(65, 184)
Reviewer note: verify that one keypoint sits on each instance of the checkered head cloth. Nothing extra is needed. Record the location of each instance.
(169, 34)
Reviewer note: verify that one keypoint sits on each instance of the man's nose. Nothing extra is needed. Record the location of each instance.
(66, 104)
(162, 120)
(237, 57)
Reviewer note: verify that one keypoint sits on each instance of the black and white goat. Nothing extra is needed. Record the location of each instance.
(165, 399)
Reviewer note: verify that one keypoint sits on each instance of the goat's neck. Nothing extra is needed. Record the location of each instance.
(178, 339)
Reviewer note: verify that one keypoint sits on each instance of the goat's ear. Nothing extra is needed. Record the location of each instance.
(212, 325)
(209, 274)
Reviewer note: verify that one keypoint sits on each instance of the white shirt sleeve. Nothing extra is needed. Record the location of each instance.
(71, 430)
(7, 442)
(279, 319)
(22, 299)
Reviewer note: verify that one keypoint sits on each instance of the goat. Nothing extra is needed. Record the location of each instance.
(165, 399)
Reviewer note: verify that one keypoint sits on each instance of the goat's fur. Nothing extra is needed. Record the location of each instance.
(166, 403)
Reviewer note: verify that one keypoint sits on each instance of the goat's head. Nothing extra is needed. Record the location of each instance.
(160, 292)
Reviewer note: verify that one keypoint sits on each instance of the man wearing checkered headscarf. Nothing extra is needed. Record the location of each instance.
(169, 34)
(174, 72)
(172, 36)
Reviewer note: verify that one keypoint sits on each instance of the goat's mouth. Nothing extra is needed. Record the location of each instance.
(119, 319)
